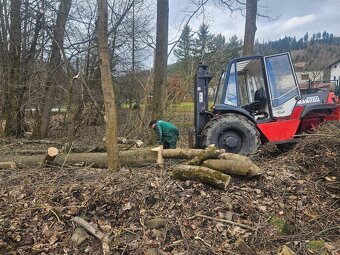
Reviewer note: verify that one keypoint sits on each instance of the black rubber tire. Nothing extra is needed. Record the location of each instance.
(241, 130)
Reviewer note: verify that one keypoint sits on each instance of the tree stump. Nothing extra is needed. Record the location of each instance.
(51, 153)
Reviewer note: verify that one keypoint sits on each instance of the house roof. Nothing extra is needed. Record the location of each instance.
(329, 66)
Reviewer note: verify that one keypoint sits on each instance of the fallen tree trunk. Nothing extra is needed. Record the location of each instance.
(228, 163)
(203, 174)
(100, 148)
(233, 164)
(42, 142)
(189, 153)
(24, 152)
(138, 157)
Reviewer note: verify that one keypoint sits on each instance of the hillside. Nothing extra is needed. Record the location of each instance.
(316, 52)
(317, 56)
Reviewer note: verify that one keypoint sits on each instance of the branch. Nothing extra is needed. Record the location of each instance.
(225, 221)
(95, 232)
(199, 6)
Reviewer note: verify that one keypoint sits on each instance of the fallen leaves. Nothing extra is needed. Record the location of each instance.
(36, 207)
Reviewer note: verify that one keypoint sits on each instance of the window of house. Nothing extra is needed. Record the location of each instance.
(334, 66)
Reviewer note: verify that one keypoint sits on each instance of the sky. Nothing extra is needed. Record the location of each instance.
(291, 18)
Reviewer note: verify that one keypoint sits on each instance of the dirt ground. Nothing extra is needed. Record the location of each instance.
(295, 203)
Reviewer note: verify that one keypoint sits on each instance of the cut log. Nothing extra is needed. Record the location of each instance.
(180, 153)
(209, 153)
(247, 163)
(138, 157)
(238, 166)
(203, 174)
(160, 159)
(51, 153)
(7, 165)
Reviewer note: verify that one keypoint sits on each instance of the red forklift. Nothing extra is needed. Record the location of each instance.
(257, 101)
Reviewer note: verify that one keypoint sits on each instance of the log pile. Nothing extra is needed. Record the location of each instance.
(210, 166)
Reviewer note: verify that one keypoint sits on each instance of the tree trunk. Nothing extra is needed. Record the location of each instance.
(107, 86)
(3, 50)
(43, 121)
(250, 27)
(203, 174)
(12, 100)
(161, 57)
(75, 110)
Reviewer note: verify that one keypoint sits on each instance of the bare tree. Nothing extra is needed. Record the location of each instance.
(251, 7)
(43, 122)
(250, 27)
(161, 58)
(12, 100)
(107, 86)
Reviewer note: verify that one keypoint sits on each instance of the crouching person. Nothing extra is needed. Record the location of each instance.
(167, 133)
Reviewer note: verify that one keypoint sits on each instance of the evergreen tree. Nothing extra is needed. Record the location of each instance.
(305, 40)
(217, 43)
(202, 42)
(234, 47)
(185, 45)
(313, 38)
(324, 36)
(305, 37)
(318, 36)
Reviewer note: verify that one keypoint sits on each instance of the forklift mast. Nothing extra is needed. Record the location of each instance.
(201, 100)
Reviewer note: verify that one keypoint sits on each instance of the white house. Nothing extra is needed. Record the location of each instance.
(335, 70)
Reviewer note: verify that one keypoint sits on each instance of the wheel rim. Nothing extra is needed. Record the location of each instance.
(231, 140)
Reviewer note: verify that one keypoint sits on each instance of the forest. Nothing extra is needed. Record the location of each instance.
(81, 171)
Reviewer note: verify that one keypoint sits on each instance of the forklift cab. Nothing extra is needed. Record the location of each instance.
(257, 100)
(264, 87)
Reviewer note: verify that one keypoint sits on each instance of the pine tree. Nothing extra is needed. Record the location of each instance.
(202, 42)
(234, 47)
(217, 43)
(184, 48)
(331, 37)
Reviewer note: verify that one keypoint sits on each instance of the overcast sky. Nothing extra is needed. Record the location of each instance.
(294, 18)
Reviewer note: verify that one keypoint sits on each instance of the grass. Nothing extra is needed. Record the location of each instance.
(185, 107)
(181, 107)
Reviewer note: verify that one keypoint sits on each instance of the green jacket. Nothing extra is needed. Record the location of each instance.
(166, 131)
